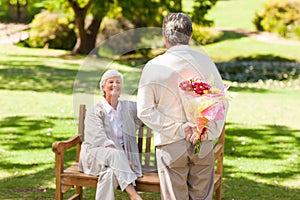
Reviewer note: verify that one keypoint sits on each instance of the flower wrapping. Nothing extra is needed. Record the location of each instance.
(203, 104)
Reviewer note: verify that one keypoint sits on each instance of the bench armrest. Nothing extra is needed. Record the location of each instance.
(62, 146)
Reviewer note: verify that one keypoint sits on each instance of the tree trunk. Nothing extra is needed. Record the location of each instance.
(86, 37)
(18, 10)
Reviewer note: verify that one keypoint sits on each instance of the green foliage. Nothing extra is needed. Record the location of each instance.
(143, 13)
(253, 71)
(205, 35)
(281, 17)
(99, 8)
(200, 10)
(55, 6)
(52, 29)
(15, 2)
(111, 27)
(172, 5)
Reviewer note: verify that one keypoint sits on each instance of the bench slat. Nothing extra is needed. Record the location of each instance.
(71, 175)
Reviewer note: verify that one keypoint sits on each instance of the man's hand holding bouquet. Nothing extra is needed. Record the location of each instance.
(203, 104)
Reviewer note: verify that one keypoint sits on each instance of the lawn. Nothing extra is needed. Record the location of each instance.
(262, 145)
(262, 137)
(237, 14)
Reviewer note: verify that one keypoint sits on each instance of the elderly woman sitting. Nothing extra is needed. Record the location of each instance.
(109, 149)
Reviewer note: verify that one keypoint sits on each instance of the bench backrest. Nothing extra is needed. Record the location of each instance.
(82, 110)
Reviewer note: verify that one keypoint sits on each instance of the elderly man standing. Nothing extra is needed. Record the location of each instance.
(183, 174)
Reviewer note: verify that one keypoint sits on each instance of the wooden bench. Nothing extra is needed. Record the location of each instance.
(70, 177)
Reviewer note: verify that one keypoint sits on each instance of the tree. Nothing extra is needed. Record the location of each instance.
(88, 29)
(88, 15)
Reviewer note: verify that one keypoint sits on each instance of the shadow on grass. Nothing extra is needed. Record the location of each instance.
(270, 141)
(37, 76)
(42, 78)
(21, 135)
(24, 133)
(230, 35)
(245, 189)
(262, 145)
(34, 73)
(32, 185)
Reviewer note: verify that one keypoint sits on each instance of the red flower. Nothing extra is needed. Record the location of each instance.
(195, 85)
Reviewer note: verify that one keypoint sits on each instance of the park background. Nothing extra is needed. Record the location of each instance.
(262, 129)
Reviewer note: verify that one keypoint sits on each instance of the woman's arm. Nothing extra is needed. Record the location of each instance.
(94, 128)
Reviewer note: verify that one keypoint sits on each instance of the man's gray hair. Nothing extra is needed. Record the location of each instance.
(177, 28)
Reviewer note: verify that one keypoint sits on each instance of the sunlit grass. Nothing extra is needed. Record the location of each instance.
(235, 14)
(261, 107)
(245, 46)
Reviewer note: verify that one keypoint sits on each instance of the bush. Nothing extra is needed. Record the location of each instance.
(253, 71)
(281, 17)
(110, 28)
(53, 30)
(205, 35)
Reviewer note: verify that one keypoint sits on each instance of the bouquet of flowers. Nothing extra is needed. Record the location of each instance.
(203, 103)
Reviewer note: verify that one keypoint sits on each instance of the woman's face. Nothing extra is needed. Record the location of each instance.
(113, 86)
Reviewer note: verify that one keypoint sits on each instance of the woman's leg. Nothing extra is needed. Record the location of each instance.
(133, 195)
(107, 185)
(117, 172)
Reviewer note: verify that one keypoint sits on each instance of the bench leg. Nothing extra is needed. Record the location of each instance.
(79, 192)
(58, 192)
(218, 192)
(58, 195)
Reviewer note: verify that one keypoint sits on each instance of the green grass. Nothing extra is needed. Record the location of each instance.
(262, 146)
(236, 14)
(262, 137)
(230, 49)
(30, 123)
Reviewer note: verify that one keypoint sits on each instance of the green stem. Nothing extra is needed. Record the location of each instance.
(197, 147)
